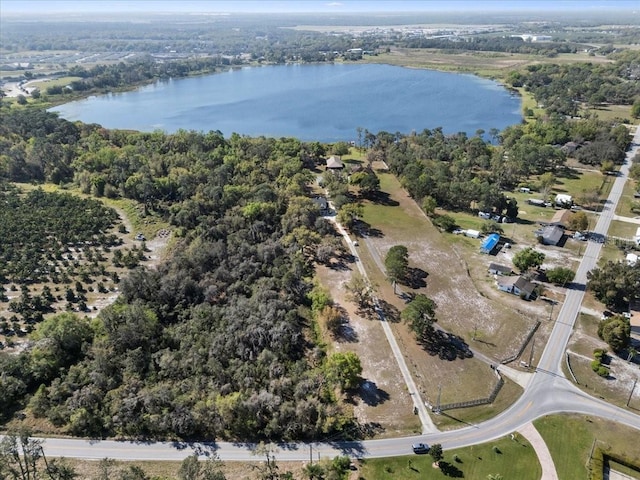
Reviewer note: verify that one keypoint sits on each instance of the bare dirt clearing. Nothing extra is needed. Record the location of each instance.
(383, 398)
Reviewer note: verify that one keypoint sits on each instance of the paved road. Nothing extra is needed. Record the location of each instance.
(547, 392)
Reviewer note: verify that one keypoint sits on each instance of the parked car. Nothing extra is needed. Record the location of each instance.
(420, 448)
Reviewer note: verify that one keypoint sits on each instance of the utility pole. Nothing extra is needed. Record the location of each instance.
(310, 454)
(551, 312)
(631, 394)
(475, 332)
(438, 402)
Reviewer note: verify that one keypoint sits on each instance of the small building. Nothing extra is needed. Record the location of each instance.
(472, 233)
(551, 235)
(632, 259)
(322, 204)
(636, 238)
(334, 162)
(516, 285)
(497, 269)
(490, 243)
(538, 202)
(564, 200)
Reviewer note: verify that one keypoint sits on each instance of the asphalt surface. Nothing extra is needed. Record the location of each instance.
(547, 392)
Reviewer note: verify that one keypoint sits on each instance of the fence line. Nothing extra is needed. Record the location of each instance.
(570, 369)
(524, 344)
(474, 403)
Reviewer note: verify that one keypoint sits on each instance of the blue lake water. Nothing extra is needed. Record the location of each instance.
(326, 102)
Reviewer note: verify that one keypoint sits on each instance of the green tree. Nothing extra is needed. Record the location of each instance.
(528, 258)
(344, 369)
(436, 452)
(420, 315)
(445, 222)
(397, 262)
(133, 472)
(616, 331)
(635, 108)
(313, 471)
(615, 284)
(359, 290)
(192, 468)
(367, 181)
(607, 166)
(546, 181)
(429, 205)
(560, 275)
(491, 227)
(634, 171)
(579, 222)
(349, 214)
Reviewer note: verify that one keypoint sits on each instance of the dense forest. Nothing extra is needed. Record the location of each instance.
(218, 342)
(564, 88)
(493, 44)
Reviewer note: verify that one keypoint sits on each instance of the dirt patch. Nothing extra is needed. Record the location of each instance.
(382, 402)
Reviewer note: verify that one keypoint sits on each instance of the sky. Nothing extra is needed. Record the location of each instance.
(306, 6)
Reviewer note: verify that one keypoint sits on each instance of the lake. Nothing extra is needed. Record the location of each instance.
(324, 102)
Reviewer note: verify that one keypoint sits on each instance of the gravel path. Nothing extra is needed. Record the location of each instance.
(537, 442)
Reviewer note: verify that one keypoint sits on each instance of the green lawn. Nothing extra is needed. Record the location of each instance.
(575, 182)
(623, 229)
(624, 205)
(570, 439)
(516, 460)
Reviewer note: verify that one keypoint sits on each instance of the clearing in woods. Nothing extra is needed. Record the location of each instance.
(445, 370)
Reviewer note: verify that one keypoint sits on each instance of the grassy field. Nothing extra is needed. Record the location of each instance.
(623, 229)
(400, 221)
(570, 439)
(488, 64)
(624, 205)
(513, 459)
(53, 82)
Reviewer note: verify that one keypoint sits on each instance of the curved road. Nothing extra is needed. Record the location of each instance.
(547, 392)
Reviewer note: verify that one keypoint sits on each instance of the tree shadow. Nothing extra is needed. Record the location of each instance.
(365, 229)
(390, 312)
(446, 346)
(371, 395)
(346, 333)
(383, 198)
(370, 429)
(450, 470)
(566, 172)
(407, 296)
(415, 278)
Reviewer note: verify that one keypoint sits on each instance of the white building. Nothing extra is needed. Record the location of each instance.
(562, 200)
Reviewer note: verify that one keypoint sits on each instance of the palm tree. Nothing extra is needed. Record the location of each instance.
(494, 476)
(313, 471)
